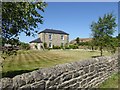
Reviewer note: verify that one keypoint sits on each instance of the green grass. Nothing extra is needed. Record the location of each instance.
(26, 61)
(112, 82)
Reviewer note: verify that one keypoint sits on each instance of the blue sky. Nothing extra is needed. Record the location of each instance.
(74, 18)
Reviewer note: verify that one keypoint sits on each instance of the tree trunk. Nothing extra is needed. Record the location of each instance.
(92, 48)
(101, 50)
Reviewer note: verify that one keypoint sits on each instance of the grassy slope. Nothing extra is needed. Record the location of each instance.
(111, 82)
(30, 60)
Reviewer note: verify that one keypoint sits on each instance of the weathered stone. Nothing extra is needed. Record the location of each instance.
(76, 75)
(91, 68)
(81, 73)
(52, 88)
(38, 86)
(28, 78)
(75, 86)
(26, 87)
(86, 69)
(58, 81)
(83, 82)
(52, 77)
(50, 83)
(79, 79)
(61, 86)
(18, 81)
(73, 81)
(7, 83)
(37, 75)
(67, 77)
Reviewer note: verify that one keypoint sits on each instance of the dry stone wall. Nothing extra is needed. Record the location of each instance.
(81, 74)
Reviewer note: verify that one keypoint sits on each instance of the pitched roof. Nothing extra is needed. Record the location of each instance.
(53, 31)
(38, 40)
(85, 38)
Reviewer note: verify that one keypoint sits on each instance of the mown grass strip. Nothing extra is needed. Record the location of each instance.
(34, 60)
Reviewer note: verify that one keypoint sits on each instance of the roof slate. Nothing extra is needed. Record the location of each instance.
(38, 40)
(53, 31)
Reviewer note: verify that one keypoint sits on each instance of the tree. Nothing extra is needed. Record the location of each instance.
(118, 38)
(77, 40)
(20, 17)
(91, 44)
(24, 46)
(102, 31)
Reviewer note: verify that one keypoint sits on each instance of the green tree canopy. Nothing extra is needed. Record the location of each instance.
(77, 40)
(118, 40)
(102, 31)
(20, 17)
(24, 46)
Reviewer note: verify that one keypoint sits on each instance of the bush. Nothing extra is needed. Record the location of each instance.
(49, 48)
(36, 47)
(56, 47)
(67, 47)
(73, 46)
(84, 43)
(45, 45)
(24, 46)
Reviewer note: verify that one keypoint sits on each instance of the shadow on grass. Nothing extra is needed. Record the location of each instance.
(96, 56)
(11, 74)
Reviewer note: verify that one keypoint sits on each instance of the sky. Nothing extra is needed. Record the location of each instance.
(74, 18)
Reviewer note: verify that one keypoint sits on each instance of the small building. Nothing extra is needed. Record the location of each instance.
(36, 44)
(51, 38)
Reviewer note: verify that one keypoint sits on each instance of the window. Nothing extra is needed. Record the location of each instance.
(50, 36)
(50, 45)
(62, 37)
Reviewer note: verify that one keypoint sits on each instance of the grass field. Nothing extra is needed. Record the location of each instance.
(112, 82)
(26, 61)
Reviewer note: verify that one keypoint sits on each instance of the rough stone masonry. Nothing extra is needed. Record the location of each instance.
(81, 74)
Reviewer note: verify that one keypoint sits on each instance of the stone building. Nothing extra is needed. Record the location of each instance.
(51, 38)
(36, 44)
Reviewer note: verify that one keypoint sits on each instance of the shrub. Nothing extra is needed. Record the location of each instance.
(73, 46)
(24, 46)
(36, 47)
(83, 43)
(49, 48)
(56, 47)
(67, 47)
(45, 45)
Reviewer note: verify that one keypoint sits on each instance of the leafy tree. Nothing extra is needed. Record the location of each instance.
(83, 43)
(24, 46)
(77, 40)
(20, 17)
(102, 31)
(91, 44)
(118, 38)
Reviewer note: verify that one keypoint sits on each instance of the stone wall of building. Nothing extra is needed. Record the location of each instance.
(56, 39)
(81, 74)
